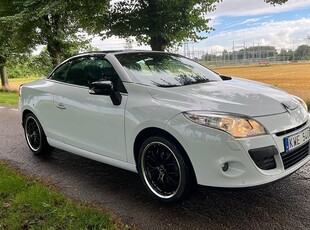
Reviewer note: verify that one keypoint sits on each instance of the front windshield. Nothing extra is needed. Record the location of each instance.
(164, 69)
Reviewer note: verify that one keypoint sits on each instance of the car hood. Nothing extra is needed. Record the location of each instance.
(236, 96)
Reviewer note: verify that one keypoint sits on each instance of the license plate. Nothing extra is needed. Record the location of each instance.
(296, 140)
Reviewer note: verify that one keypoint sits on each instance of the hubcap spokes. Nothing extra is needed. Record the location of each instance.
(33, 134)
(162, 170)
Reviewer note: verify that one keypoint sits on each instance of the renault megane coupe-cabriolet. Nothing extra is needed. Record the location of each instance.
(170, 119)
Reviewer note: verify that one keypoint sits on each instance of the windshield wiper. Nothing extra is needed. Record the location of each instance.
(197, 82)
(168, 86)
(185, 83)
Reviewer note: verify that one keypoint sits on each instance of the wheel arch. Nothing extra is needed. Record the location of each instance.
(44, 148)
(152, 131)
(24, 114)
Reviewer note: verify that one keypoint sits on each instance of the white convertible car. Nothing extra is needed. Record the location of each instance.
(170, 119)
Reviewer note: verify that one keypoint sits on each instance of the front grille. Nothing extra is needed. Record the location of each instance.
(294, 156)
(264, 157)
(279, 134)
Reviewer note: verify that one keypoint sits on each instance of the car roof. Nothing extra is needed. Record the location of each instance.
(113, 52)
(109, 52)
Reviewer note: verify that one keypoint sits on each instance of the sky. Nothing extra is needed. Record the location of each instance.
(240, 23)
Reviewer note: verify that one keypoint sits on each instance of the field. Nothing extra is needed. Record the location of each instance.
(16, 82)
(293, 78)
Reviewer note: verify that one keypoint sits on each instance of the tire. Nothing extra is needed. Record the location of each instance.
(163, 169)
(35, 136)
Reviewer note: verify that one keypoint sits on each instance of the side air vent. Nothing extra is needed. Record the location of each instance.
(264, 157)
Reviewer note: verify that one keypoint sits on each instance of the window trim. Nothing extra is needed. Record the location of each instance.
(123, 89)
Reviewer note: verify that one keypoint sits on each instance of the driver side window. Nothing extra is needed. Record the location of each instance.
(60, 73)
(85, 70)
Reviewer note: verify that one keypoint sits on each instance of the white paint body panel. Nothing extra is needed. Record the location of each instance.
(91, 126)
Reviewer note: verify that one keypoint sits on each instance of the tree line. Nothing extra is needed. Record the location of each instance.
(261, 53)
(59, 24)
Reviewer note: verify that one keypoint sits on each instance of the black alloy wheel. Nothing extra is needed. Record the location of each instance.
(163, 169)
(35, 136)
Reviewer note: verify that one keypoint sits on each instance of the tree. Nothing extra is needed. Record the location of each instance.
(3, 74)
(55, 24)
(257, 52)
(286, 55)
(302, 52)
(5, 38)
(9, 45)
(161, 23)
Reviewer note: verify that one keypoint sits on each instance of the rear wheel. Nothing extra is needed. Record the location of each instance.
(164, 170)
(35, 136)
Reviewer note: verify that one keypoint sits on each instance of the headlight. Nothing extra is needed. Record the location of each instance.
(236, 126)
(302, 103)
(20, 90)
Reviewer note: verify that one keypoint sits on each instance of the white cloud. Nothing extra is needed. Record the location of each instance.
(287, 34)
(255, 7)
(248, 21)
(114, 43)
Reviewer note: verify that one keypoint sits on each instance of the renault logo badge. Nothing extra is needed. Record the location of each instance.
(287, 107)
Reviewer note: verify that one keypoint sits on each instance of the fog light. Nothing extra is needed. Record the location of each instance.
(225, 167)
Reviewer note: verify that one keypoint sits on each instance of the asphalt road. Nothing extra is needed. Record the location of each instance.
(282, 205)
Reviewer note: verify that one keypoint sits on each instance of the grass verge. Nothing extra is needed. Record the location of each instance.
(8, 97)
(27, 204)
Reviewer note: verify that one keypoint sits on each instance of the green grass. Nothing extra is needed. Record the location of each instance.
(9, 98)
(27, 204)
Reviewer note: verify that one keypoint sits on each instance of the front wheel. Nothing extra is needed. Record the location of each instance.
(164, 170)
(35, 136)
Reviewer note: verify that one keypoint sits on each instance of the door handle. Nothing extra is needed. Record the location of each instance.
(61, 106)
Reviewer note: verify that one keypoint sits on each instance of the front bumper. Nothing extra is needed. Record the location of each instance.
(209, 149)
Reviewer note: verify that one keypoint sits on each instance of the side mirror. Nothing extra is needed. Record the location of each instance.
(101, 88)
(106, 88)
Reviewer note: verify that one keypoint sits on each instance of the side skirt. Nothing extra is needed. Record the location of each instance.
(91, 155)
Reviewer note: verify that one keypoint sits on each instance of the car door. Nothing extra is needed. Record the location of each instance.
(86, 121)
(50, 122)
